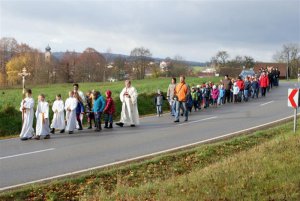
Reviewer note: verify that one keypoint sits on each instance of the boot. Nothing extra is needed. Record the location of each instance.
(52, 131)
(106, 125)
(110, 125)
(62, 131)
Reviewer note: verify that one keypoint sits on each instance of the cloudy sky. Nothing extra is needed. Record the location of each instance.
(196, 30)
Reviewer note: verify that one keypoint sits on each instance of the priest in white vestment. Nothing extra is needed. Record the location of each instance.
(42, 118)
(58, 121)
(70, 107)
(129, 114)
(26, 108)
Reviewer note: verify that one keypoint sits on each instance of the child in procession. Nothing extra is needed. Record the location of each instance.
(215, 95)
(235, 91)
(70, 107)
(58, 121)
(158, 100)
(42, 118)
(26, 108)
(89, 109)
(194, 94)
(109, 110)
(99, 104)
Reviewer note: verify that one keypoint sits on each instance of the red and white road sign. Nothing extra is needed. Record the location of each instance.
(293, 98)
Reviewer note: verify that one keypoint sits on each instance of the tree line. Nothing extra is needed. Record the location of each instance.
(88, 66)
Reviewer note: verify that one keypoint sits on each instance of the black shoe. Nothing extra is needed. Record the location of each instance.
(24, 138)
(120, 124)
(47, 137)
(110, 125)
(80, 129)
(90, 127)
(71, 132)
(62, 131)
(176, 121)
(52, 131)
(132, 125)
(106, 125)
(186, 120)
(37, 137)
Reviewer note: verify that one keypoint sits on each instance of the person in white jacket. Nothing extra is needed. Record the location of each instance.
(58, 121)
(70, 107)
(42, 118)
(26, 108)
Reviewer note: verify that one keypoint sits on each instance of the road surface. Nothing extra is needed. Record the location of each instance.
(30, 161)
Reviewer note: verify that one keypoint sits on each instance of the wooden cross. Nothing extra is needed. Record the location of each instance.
(24, 74)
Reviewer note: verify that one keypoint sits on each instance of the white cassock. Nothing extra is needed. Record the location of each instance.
(42, 118)
(71, 103)
(28, 114)
(58, 121)
(129, 114)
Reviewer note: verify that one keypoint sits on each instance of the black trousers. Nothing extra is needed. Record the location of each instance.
(227, 96)
(263, 91)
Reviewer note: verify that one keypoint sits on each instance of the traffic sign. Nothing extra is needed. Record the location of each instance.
(293, 98)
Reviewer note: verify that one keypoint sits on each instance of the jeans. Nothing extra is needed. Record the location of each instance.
(180, 104)
(173, 107)
(255, 93)
(159, 109)
(246, 95)
(108, 118)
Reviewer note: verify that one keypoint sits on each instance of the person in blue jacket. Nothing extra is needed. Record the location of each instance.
(99, 105)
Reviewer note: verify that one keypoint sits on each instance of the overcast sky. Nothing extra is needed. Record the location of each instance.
(196, 30)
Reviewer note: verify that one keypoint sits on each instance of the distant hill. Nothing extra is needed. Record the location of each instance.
(111, 57)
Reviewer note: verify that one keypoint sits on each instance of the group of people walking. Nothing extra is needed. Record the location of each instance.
(183, 98)
(68, 115)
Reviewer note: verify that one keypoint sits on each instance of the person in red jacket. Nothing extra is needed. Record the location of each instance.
(264, 83)
(109, 110)
(241, 85)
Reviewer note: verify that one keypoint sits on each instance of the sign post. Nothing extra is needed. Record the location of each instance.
(293, 101)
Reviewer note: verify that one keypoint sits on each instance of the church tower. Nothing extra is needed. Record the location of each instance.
(47, 54)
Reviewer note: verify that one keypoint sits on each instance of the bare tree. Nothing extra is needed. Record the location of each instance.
(289, 55)
(140, 58)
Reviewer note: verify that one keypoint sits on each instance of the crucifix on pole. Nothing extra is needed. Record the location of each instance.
(24, 74)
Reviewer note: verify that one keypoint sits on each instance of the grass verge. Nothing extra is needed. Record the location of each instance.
(260, 166)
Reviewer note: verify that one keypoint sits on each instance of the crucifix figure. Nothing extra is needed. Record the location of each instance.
(23, 75)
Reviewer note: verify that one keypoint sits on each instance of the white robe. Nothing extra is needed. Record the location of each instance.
(58, 121)
(42, 118)
(71, 103)
(27, 127)
(129, 114)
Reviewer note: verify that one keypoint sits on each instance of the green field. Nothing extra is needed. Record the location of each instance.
(263, 165)
(10, 120)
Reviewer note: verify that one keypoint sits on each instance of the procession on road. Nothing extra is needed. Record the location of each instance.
(182, 99)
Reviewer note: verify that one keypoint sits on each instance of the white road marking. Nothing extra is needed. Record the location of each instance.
(191, 122)
(266, 103)
(146, 156)
(33, 152)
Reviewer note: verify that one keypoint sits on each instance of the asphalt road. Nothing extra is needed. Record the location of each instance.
(23, 162)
